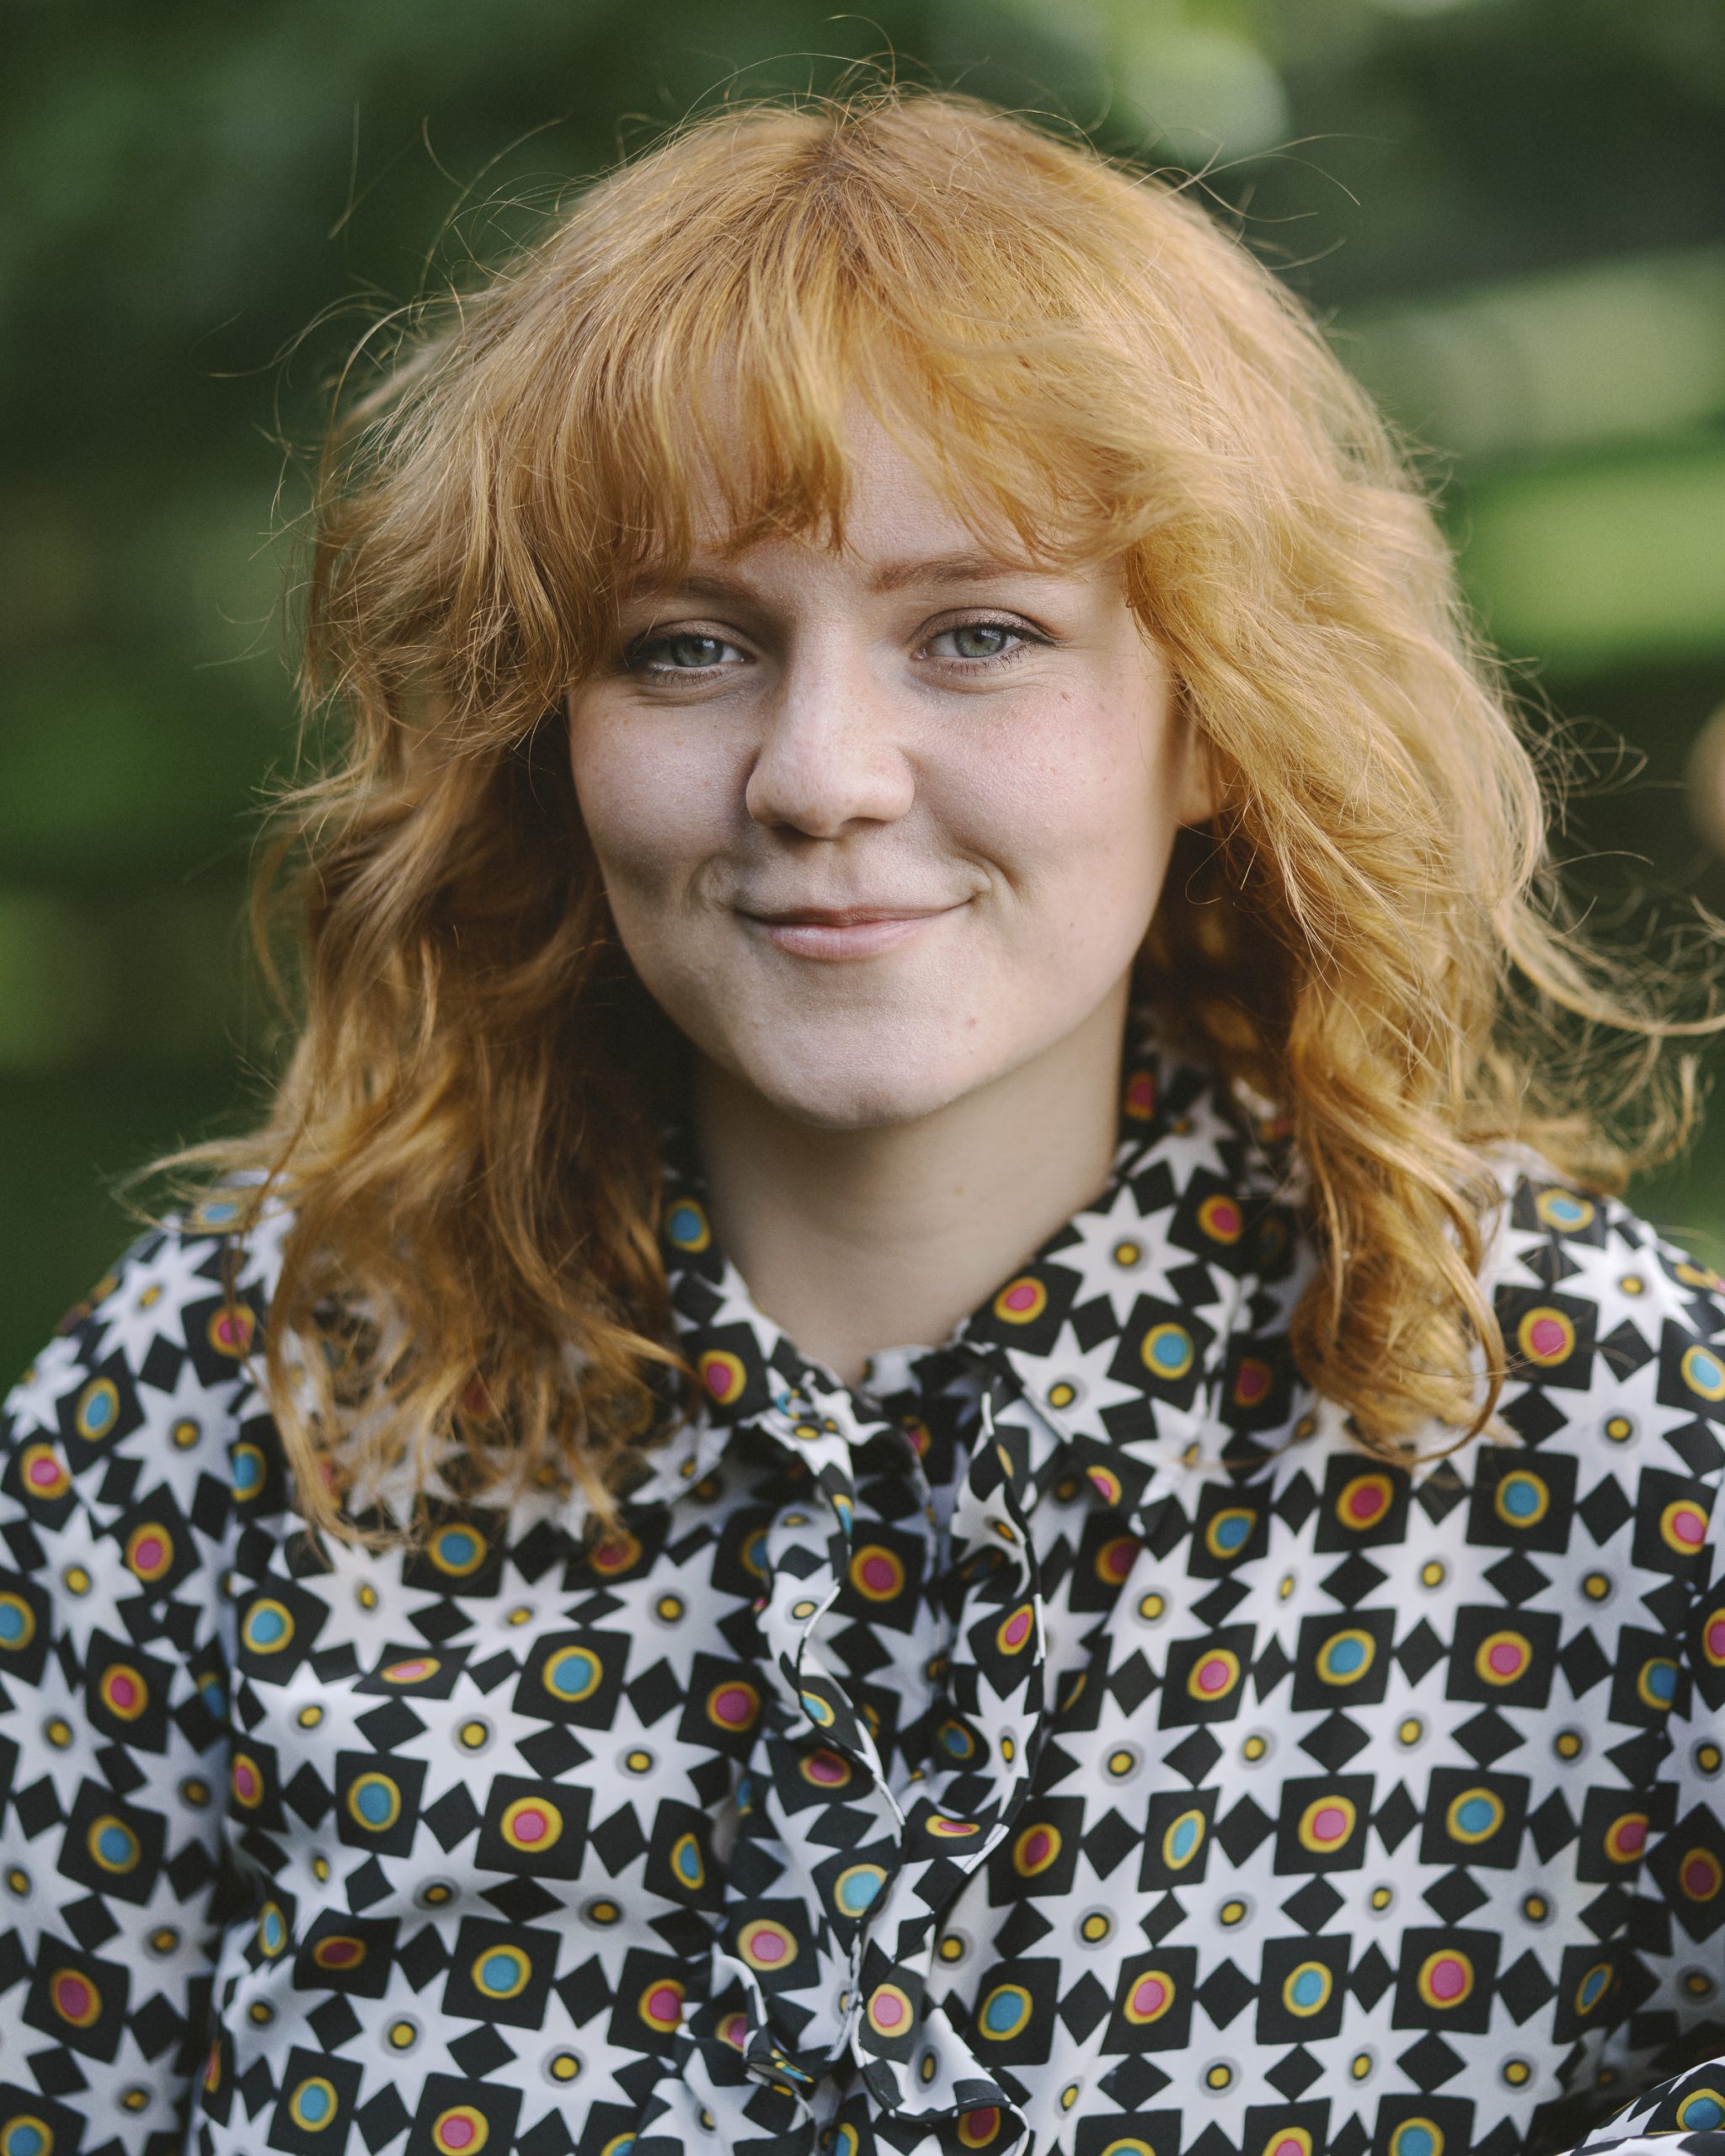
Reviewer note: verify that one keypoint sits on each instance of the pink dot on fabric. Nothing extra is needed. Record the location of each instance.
(1688, 1527)
(338, 1953)
(878, 1572)
(732, 1704)
(1253, 1382)
(73, 1997)
(1716, 1637)
(1506, 1657)
(530, 1826)
(1020, 1295)
(1213, 1675)
(458, 2133)
(1018, 1628)
(1148, 1993)
(123, 1692)
(1036, 1849)
(1363, 1503)
(1449, 1978)
(147, 1553)
(1286, 2147)
(1699, 1880)
(1329, 1824)
(823, 1767)
(889, 2012)
(768, 1946)
(1632, 1835)
(1545, 1336)
(44, 1472)
(663, 2004)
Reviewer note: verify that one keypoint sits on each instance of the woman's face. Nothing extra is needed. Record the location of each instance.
(879, 826)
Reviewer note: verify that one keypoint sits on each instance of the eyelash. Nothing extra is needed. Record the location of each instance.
(636, 655)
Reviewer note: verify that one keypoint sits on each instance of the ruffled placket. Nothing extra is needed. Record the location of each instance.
(838, 1880)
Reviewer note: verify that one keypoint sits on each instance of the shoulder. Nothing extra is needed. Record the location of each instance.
(164, 1351)
(1609, 1329)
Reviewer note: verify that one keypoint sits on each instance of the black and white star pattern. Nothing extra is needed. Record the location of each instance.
(1068, 1740)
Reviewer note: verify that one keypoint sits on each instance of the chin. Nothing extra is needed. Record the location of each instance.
(870, 1088)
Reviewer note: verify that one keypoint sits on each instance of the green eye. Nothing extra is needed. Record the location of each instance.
(981, 639)
(687, 651)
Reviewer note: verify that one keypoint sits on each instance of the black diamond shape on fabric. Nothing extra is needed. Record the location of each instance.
(1534, 1415)
(1395, 1817)
(1370, 1978)
(1355, 1577)
(521, 1900)
(480, 2052)
(441, 1622)
(1269, 1669)
(1243, 1829)
(1314, 1905)
(454, 1815)
(1625, 1350)
(1552, 1825)
(1335, 1741)
(585, 1991)
(1420, 1651)
(56, 2072)
(1440, 1492)
(1133, 2082)
(618, 1840)
(1430, 2062)
(1214, 1610)
(1294, 1504)
(1085, 2005)
(1608, 1913)
(383, 2118)
(1195, 1755)
(1696, 1446)
(1486, 1737)
(1456, 1895)
(550, 2138)
(155, 2025)
(1291, 2076)
(1167, 1915)
(1132, 1682)
(1516, 1578)
(391, 1724)
(1108, 1841)
(334, 2023)
(654, 1693)
(1583, 1661)
(90, 1922)
(424, 1958)
(367, 1886)
(1224, 1992)
(1605, 1510)
(551, 1752)
(1353, 2140)
(308, 1795)
(1525, 1987)
(1026, 1926)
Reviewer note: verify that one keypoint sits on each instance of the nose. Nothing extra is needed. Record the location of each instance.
(832, 753)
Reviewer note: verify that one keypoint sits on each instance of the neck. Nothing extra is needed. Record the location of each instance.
(856, 1241)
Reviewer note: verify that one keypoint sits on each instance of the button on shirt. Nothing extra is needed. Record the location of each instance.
(1068, 1740)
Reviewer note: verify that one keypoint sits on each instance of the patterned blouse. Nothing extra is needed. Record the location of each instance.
(1067, 1740)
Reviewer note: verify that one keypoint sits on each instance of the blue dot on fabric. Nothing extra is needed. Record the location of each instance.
(1476, 1815)
(1231, 1533)
(11, 1621)
(1308, 1987)
(1414, 2140)
(1521, 1497)
(1346, 1656)
(314, 2104)
(1001, 2013)
(497, 1972)
(115, 1846)
(374, 1802)
(1702, 2112)
(1185, 1839)
(1662, 1679)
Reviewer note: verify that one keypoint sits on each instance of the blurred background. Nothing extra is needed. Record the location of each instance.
(1511, 212)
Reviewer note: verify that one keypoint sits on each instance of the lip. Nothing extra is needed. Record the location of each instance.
(836, 933)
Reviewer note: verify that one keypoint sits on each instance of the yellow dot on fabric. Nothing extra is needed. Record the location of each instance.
(1432, 1573)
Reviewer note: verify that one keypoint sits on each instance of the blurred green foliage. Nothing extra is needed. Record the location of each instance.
(1511, 212)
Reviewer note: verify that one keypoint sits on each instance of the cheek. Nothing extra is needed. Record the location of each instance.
(647, 802)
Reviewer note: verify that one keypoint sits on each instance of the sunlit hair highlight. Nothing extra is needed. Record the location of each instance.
(1369, 934)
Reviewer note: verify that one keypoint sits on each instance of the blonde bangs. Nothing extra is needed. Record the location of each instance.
(1081, 359)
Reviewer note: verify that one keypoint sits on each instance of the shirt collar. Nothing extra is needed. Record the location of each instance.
(1149, 1332)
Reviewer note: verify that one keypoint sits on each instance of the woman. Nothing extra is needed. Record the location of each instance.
(903, 726)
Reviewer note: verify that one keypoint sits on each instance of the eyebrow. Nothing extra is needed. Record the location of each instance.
(969, 565)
